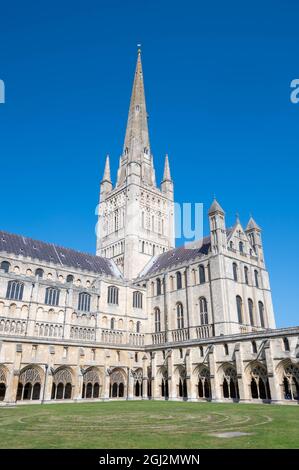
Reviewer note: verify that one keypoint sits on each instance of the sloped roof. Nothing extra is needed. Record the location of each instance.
(176, 256)
(50, 253)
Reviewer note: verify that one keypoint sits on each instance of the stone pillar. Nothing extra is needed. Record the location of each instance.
(172, 392)
(156, 392)
(47, 392)
(106, 385)
(130, 395)
(272, 374)
(144, 377)
(243, 388)
(191, 387)
(215, 385)
(12, 385)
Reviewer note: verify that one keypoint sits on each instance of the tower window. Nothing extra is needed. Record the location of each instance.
(159, 288)
(261, 312)
(286, 344)
(235, 272)
(241, 247)
(246, 275)
(203, 310)
(256, 277)
(180, 315)
(250, 309)
(178, 280)
(225, 349)
(239, 309)
(254, 348)
(202, 275)
(157, 320)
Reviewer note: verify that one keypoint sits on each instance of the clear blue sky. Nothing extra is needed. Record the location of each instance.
(217, 77)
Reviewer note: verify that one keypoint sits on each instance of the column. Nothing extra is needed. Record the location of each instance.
(272, 375)
(215, 385)
(242, 385)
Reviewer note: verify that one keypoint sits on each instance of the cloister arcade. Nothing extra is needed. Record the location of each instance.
(67, 383)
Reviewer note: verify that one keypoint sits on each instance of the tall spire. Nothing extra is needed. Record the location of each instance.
(107, 175)
(137, 137)
(166, 175)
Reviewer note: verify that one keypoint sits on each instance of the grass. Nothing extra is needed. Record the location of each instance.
(148, 424)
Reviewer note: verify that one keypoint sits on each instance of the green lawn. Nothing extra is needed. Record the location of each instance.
(148, 424)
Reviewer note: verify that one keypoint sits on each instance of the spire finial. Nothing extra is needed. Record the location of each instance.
(166, 175)
(139, 48)
(107, 175)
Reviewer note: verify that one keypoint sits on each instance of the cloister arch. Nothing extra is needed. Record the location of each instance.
(118, 379)
(138, 379)
(29, 385)
(288, 373)
(258, 381)
(204, 382)
(91, 383)
(181, 382)
(229, 382)
(163, 379)
(3, 382)
(62, 384)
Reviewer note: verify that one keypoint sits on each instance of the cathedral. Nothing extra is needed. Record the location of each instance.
(142, 319)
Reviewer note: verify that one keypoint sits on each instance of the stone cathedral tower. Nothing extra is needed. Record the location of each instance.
(136, 218)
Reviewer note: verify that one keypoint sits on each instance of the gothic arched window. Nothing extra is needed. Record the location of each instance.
(157, 320)
(203, 310)
(70, 278)
(137, 299)
(235, 271)
(286, 344)
(39, 273)
(84, 302)
(246, 275)
(254, 347)
(241, 247)
(250, 310)
(159, 287)
(239, 309)
(202, 274)
(256, 278)
(112, 297)
(261, 312)
(15, 290)
(138, 327)
(180, 315)
(112, 324)
(52, 296)
(5, 265)
(178, 280)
